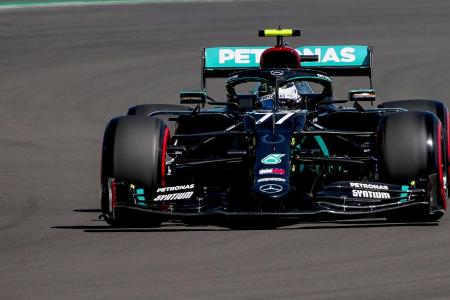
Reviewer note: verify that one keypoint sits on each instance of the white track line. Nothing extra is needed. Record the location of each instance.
(107, 2)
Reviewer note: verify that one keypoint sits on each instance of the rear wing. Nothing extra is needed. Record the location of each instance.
(334, 60)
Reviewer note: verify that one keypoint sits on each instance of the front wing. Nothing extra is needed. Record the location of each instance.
(338, 200)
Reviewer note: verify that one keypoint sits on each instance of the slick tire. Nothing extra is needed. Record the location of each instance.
(441, 111)
(133, 151)
(410, 149)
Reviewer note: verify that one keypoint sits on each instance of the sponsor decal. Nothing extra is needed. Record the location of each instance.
(271, 188)
(240, 55)
(267, 97)
(333, 55)
(275, 171)
(181, 192)
(370, 194)
(325, 54)
(369, 186)
(270, 139)
(271, 179)
(272, 159)
(344, 55)
(174, 196)
(175, 188)
(323, 76)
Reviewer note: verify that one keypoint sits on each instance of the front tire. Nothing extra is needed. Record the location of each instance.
(441, 111)
(133, 151)
(411, 149)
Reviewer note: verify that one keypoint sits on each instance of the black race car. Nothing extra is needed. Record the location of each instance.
(280, 149)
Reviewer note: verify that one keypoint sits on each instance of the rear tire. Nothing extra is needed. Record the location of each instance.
(133, 151)
(411, 148)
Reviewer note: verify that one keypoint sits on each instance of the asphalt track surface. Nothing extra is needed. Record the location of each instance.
(65, 71)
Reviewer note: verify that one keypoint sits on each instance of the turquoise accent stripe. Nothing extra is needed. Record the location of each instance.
(322, 145)
(404, 195)
(140, 198)
(302, 167)
(140, 191)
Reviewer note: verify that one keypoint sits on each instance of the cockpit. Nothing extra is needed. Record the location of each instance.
(286, 89)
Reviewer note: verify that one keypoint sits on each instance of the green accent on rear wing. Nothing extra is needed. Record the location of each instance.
(334, 56)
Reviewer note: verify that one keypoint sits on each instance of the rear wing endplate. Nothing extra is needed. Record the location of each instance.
(334, 60)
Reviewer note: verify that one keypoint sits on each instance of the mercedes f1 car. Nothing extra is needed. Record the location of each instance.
(280, 149)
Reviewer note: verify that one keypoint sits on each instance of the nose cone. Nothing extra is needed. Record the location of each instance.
(272, 156)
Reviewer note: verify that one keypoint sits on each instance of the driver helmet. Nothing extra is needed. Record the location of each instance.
(286, 94)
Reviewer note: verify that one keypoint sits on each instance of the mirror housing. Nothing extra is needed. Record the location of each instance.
(361, 95)
(193, 97)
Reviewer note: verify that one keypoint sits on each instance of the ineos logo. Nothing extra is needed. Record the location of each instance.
(270, 188)
(276, 73)
(268, 139)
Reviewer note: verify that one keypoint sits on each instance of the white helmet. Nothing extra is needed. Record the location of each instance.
(286, 94)
(289, 92)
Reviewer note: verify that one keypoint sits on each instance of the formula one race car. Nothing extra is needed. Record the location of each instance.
(280, 149)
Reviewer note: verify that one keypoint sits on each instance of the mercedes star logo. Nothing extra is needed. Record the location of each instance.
(270, 139)
(271, 188)
(277, 73)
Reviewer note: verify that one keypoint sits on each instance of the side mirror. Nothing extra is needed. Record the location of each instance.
(265, 89)
(193, 97)
(262, 88)
(361, 95)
